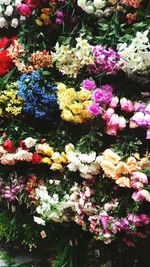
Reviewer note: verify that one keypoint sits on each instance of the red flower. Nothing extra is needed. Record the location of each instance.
(8, 146)
(36, 159)
(22, 145)
(6, 63)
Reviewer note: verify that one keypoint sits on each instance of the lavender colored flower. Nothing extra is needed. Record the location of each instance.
(88, 85)
(97, 95)
(106, 60)
(95, 109)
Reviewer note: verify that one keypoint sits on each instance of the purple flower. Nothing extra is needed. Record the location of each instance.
(88, 85)
(107, 88)
(107, 97)
(59, 14)
(97, 95)
(147, 110)
(139, 106)
(95, 109)
(138, 118)
(59, 21)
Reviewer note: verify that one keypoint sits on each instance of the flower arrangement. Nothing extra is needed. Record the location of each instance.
(11, 103)
(74, 105)
(69, 60)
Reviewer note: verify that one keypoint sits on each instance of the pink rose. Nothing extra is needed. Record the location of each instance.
(95, 109)
(114, 102)
(97, 95)
(111, 130)
(88, 85)
(24, 10)
(126, 105)
(108, 113)
(121, 123)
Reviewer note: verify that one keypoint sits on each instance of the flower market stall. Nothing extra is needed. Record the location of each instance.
(75, 131)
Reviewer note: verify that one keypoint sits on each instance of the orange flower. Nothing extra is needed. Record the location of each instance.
(123, 182)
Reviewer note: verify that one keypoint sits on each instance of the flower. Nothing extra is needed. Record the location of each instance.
(24, 10)
(88, 85)
(8, 146)
(95, 109)
(36, 159)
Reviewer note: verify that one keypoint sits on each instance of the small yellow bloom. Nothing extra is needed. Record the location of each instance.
(76, 108)
(61, 87)
(111, 156)
(39, 22)
(83, 95)
(78, 119)
(56, 167)
(46, 160)
(67, 115)
(122, 168)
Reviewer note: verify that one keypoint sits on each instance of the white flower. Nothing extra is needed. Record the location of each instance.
(23, 155)
(9, 10)
(30, 142)
(39, 220)
(14, 23)
(99, 4)
(3, 22)
(17, 2)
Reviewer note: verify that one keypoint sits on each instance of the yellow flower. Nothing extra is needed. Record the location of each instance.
(86, 114)
(56, 167)
(57, 157)
(123, 182)
(64, 158)
(122, 168)
(48, 151)
(76, 108)
(67, 115)
(61, 87)
(108, 168)
(111, 156)
(71, 94)
(78, 119)
(38, 22)
(46, 160)
(83, 95)
(69, 148)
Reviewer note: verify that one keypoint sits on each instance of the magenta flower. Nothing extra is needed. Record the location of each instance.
(108, 113)
(97, 95)
(95, 109)
(24, 10)
(88, 85)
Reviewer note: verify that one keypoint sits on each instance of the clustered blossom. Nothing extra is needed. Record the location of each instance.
(105, 60)
(9, 15)
(10, 190)
(74, 104)
(77, 205)
(10, 102)
(29, 150)
(99, 8)
(100, 96)
(39, 96)
(70, 60)
(141, 118)
(86, 164)
(135, 56)
(126, 174)
(132, 3)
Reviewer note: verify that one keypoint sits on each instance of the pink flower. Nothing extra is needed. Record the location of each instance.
(114, 102)
(126, 105)
(95, 109)
(141, 195)
(111, 130)
(139, 176)
(24, 10)
(139, 106)
(88, 85)
(138, 118)
(108, 113)
(147, 110)
(114, 120)
(97, 95)
(148, 134)
(146, 121)
(121, 123)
